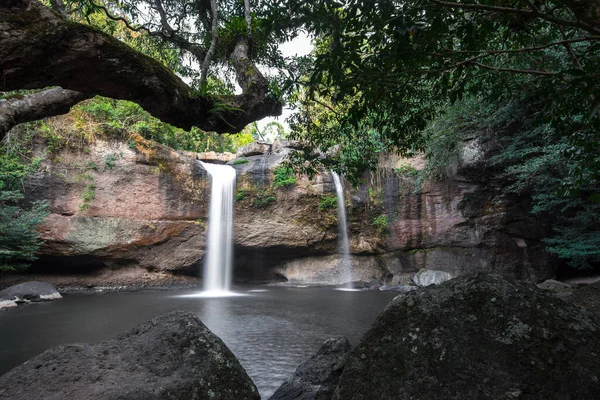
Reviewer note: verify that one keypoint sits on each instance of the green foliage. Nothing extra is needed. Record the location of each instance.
(19, 238)
(327, 201)
(424, 57)
(90, 165)
(263, 198)
(240, 161)
(117, 118)
(242, 194)
(111, 161)
(89, 191)
(257, 198)
(283, 176)
(380, 223)
(555, 161)
(54, 141)
(406, 169)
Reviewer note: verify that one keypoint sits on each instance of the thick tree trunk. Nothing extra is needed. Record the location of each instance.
(18, 109)
(38, 48)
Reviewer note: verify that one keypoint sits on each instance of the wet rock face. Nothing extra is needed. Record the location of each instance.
(29, 292)
(173, 357)
(480, 337)
(316, 378)
(150, 209)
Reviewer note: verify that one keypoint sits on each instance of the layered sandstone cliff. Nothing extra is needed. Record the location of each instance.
(139, 206)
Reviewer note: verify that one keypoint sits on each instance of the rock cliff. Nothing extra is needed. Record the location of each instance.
(138, 210)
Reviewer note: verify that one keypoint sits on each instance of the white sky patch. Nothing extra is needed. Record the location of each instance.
(299, 46)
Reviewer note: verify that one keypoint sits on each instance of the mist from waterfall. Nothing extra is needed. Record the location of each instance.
(343, 243)
(218, 259)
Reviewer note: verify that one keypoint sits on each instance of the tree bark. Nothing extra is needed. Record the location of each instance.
(39, 48)
(18, 109)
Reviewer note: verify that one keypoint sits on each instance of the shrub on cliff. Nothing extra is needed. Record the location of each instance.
(19, 238)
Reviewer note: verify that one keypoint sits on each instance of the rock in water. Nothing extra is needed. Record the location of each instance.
(317, 378)
(171, 357)
(4, 304)
(476, 337)
(428, 277)
(30, 291)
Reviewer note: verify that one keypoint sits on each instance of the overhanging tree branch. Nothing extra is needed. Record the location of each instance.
(170, 36)
(214, 40)
(521, 11)
(514, 70)
(38, 49)
(19, 109)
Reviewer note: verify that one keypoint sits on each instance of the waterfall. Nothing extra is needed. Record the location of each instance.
(343, 245)
(219, 248)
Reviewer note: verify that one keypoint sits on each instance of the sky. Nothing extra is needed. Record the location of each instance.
(300, 46)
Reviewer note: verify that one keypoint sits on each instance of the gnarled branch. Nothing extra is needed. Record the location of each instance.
(18, 109)
(214, 32)
(38, 49)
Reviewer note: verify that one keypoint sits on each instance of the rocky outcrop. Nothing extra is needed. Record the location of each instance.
(428, 277)
(171, 357)
(587, 297)
(29, 292)
(317, 378)
(254, 149)
(481, 337)
(119, 207)
(327, 270)
(121, 204)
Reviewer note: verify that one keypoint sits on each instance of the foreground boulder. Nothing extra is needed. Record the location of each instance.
(173, 356)
(317, 378)
(476, 337)
(30, 291)
(587, 297)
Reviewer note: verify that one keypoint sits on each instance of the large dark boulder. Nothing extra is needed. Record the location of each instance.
(30, 291)
(476, 337)
(316, 378)
(587, 297)
(173, 357)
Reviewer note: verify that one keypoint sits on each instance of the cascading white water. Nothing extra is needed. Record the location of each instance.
(219, 248)
(343, 245)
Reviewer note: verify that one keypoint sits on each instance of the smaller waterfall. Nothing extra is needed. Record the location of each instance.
(219, 248)
(343, 245)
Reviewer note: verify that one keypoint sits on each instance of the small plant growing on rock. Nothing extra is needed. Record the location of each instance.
(327, 201)
(242, 194)
(111, 161)
(263, 198)
(89, 191)
(283, 176)
(91, 166)
(240, 161)
(406, 169)
(381, 223)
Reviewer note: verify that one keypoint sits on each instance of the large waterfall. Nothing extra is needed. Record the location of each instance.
(219, 248)
(344, 247)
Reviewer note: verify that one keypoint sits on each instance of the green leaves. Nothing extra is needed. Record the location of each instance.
(19, 239)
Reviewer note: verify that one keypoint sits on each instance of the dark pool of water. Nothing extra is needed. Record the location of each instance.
(271, 332)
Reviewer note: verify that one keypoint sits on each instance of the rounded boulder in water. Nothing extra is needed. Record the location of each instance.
(30, 292)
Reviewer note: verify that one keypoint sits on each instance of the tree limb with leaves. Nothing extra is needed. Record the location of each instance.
(40, 48)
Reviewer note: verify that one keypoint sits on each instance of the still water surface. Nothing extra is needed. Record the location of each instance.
(271, 332)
